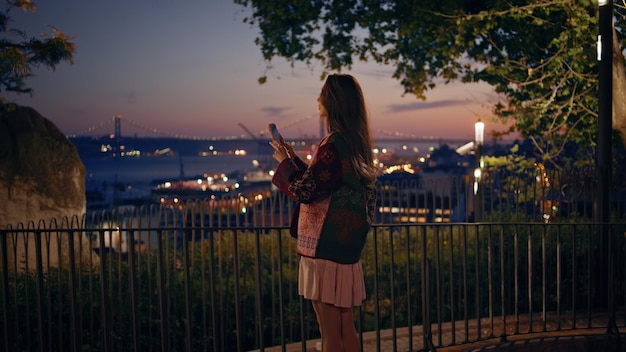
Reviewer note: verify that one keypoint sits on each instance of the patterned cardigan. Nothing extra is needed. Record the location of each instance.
(335, 208)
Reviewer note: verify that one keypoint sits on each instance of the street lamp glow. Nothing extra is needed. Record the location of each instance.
(479, 135)
(479, 129)
(478, 173)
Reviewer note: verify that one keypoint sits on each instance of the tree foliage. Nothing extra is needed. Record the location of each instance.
(20, 55)
(539, 55)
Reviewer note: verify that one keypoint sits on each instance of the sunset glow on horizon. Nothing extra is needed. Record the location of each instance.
(191, 70)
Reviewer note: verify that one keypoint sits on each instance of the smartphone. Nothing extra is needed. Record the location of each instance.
(274, 132)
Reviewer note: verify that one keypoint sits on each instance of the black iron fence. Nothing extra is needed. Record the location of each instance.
(221, 274)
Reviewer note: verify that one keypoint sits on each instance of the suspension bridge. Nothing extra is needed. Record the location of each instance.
(113, 127)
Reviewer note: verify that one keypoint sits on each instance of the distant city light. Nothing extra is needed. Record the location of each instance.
(405, 167)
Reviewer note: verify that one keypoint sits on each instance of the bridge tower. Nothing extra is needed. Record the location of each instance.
(118, 134)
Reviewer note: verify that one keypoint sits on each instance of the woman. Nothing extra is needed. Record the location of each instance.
(336, 199)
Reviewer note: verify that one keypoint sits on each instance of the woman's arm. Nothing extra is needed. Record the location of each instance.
(323, 176)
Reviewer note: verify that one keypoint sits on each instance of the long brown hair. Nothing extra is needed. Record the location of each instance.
(343, 100)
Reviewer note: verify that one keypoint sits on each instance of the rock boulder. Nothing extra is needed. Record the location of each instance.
(42, 183)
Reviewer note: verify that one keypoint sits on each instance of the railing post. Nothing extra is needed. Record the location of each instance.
(427, 335)
(40, 299)
(259, 288)
(212, 275)
(104, 308)
(392, 291)
(408, 284)
(237, 283)
(162, 289)
(376, 290)
(76, 340)
(281, 308)
(302, 324)
(4, 275)
(132, 280)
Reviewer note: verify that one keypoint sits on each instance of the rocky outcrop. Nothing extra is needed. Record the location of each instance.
(42, 185)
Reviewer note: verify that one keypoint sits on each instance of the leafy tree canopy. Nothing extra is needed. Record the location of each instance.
(20, 55)
(539, 55)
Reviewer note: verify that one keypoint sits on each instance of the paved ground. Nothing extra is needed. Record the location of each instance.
(544, 336)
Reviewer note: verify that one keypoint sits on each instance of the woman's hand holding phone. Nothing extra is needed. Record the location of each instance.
(290, 152)
(282, 150)
(274, 133)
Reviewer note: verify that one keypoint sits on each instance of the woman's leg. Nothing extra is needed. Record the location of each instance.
(350, 336)
(337, 328)
(317, 315)
(329, 320)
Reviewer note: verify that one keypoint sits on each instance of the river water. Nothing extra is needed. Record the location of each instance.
(138, 174)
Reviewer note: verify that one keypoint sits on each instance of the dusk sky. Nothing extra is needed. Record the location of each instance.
(191, 68)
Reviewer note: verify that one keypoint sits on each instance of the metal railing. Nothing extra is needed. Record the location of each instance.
(235, 289)
(221, 275)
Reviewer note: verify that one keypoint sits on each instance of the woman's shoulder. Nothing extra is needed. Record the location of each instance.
(339, 142)
(337, 138)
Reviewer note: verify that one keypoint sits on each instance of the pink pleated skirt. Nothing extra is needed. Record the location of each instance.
(341, 285)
